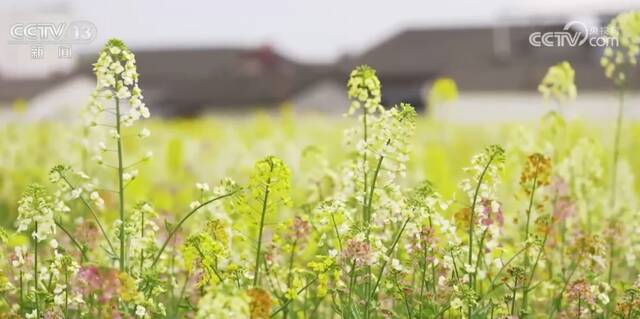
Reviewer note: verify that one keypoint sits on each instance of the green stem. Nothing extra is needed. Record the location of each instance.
(471, 217)
(424, 276)
(455, 266)
(558, 299)
(206, 267)
(406, 301)
(335, 227)
(367, 222)
(535, 263)
(433, 265)
(365, 206)
(614, 175)
(301, 290)
(261, 229)
(290, 274)
(66, 294)
(611, 255)
(35, 270)
(184, 219)
(142, 239)
(179, 300)
(93, 213)
(525, 286)
(275, 285)
(616, 148)
(21, 291)
(513, 295)
(352, 279)
(473, 208)
(83, 257)
(480, 255)
(120, 186)
(492, 284)
(579, 306)
(389, 253)
(373, 185)
(364, 168)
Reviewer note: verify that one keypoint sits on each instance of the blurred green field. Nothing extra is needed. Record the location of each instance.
(208, 149)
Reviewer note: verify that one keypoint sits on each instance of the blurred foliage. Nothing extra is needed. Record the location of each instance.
(208, 149)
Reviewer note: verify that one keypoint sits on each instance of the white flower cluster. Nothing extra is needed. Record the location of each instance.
(388, 136)
(36, 209)
(141, 231)
(63, 176)
(63, 266)
(393, 132)
(485, 166)
(117, 78)
(330, 217)
(203, 187)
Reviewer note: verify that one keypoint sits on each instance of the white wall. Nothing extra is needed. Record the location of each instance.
(325, 97)
(63, 103)
(502, 107)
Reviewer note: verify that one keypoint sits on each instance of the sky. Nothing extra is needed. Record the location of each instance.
(305, 30)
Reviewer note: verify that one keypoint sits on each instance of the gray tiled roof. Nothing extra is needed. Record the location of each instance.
(470, 57)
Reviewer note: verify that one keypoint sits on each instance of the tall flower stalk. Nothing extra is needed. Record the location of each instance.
(478, 188)
(117, 80)
(364, 90)
(381, 145)
(36, 212)
(617, 63)
(120, 168)
(269, 188)
(535, 175)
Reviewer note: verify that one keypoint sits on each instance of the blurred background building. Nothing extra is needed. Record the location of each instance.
(496, 67)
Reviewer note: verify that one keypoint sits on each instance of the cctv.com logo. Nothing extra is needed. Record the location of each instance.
(575, 33)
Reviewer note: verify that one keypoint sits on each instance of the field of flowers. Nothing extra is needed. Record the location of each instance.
(384, 213)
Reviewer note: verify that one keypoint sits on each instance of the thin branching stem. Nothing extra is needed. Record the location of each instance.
(142, 238)
(35, 269)
(471, 217)
(389, 253)
(265, 203)
(525, 285)
(290, 273)
(301, 290)
(83, 252)
(335, 228)
(616, 147)
(368, 221)
(122, 261)
(492, 284)
(93, 213)
(473, 207)
(182, 221)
